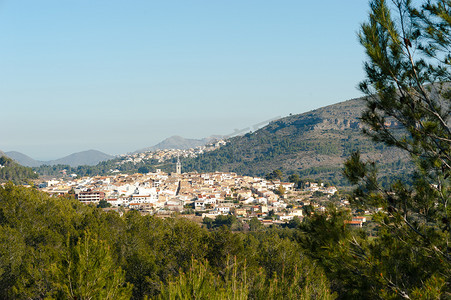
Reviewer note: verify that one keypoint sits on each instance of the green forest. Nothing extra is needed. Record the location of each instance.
(60, 248)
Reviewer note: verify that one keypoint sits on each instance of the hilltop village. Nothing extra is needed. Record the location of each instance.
(202, 195)
(163, 155)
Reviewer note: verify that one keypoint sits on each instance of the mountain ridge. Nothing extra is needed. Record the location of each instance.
(24, 159)
(87, 157)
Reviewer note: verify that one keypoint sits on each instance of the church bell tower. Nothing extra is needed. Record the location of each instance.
(178, 166)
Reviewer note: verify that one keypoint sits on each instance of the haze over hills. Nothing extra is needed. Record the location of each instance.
(93, 157)
(23, 159)
(89, 158)
(178, 142)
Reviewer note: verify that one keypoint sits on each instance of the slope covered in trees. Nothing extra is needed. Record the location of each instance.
(313, 144)
(12, 171)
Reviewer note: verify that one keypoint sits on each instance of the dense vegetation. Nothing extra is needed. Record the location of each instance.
(294, 148)
(57, 247)
(407, 80)
(12, 171)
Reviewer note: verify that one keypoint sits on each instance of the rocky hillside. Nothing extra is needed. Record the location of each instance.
(313, 144)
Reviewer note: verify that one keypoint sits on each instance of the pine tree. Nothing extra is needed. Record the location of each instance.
(408, 107)
(88, 272)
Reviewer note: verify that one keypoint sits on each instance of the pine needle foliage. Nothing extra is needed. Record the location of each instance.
(408, 45)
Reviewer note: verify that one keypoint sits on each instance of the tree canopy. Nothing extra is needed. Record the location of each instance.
(54, 247)
(407, 85)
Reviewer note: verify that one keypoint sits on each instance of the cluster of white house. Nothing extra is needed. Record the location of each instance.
(211, 193)
(167, 154)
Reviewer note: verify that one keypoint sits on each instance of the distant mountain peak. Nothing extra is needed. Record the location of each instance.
(181, 143)
(23, 159)
(88, 157)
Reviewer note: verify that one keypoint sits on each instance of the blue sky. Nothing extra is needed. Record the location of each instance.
(117, 76)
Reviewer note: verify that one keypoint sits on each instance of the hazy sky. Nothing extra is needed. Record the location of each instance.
(117, 76)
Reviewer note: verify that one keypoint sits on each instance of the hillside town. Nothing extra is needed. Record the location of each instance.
(200, 194)
(163, 155)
